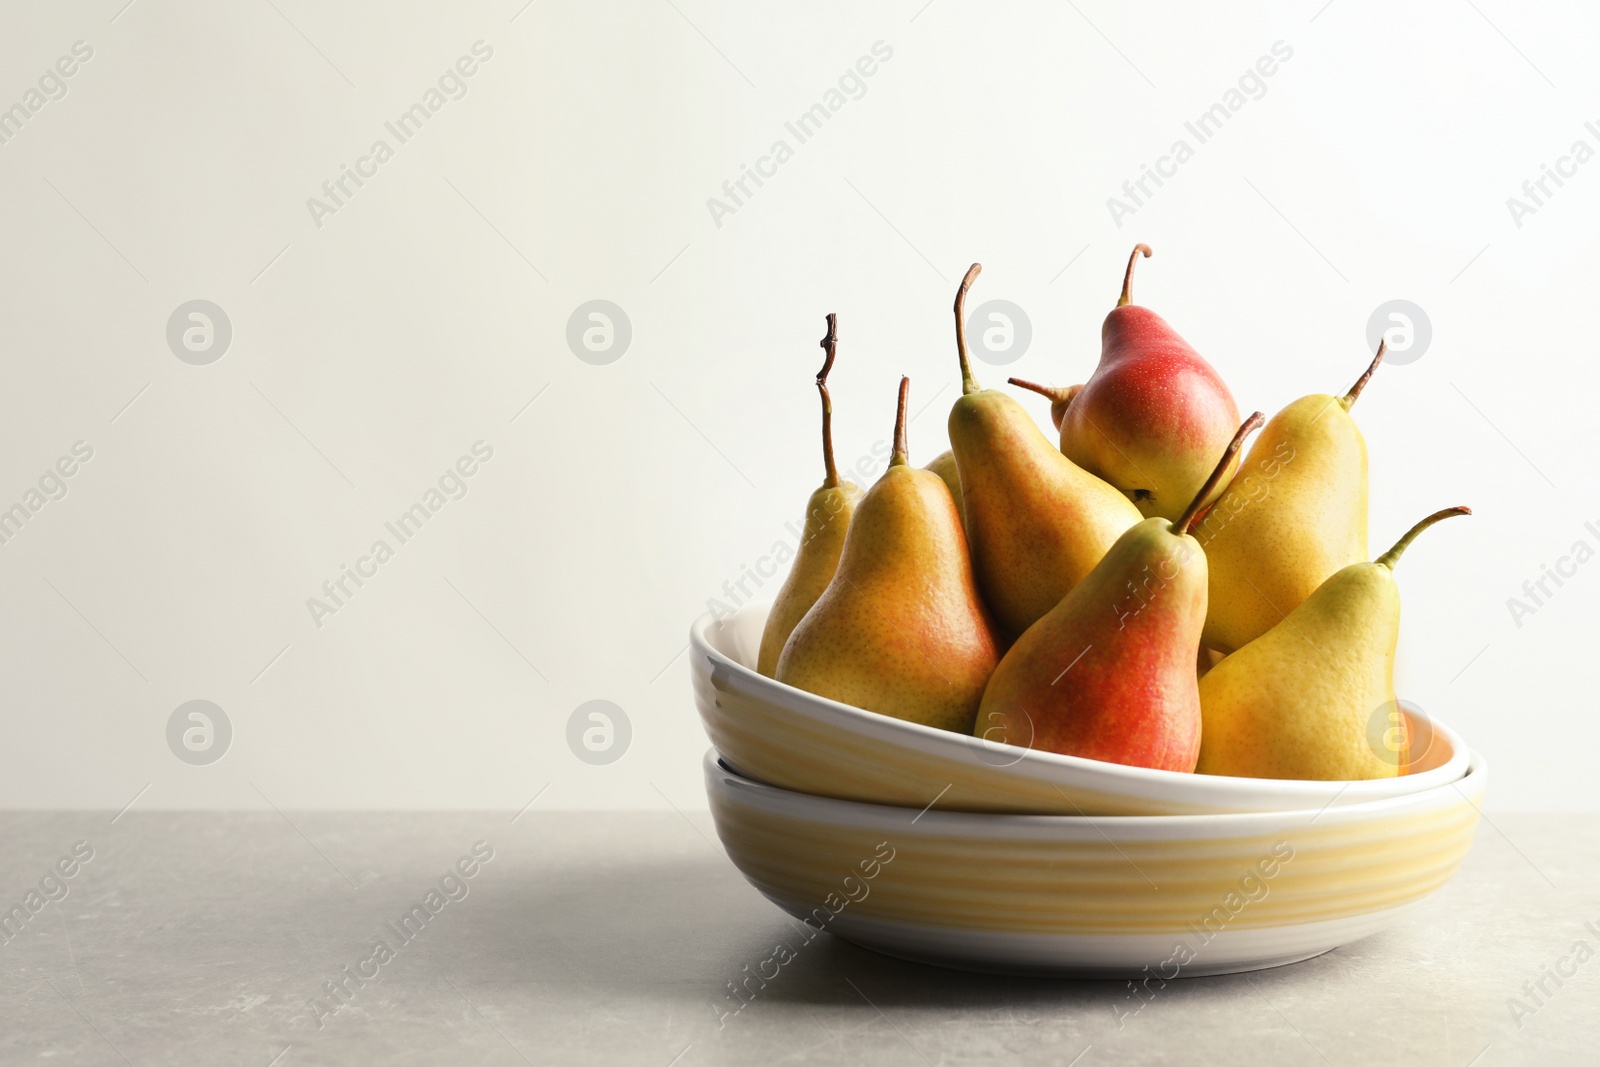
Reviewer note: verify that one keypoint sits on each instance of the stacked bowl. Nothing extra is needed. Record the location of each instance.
(949, 849)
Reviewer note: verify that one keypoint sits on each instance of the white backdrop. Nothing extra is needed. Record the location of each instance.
(377, 338)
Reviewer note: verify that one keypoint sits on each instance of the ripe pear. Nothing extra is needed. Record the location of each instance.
(944, 465)
(1311, 697)
(1110, 672)
(1152, 416)
(1058, 395)
(1036, 522)
(827, 518)
(900, 630)
(1295, 513)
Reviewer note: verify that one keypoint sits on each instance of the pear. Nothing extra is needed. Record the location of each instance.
(944, 465)
(1110, 672)
(1152, 416)
(1058, 395)
(1312, 697)
(1295, 513)
(827, 518)
(1036, 522)
(900, 630)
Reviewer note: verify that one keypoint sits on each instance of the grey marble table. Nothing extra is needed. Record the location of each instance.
(598, 939)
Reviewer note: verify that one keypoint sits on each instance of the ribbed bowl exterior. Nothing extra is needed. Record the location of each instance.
(1094, 896)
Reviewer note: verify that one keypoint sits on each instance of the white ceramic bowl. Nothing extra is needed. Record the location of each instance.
(787, 737)
(1094, 897)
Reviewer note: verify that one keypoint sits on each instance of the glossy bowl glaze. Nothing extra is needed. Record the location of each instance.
(1088, 896)
(786, 737)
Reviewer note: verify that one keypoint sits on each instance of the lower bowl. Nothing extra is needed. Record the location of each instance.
(1152, 897)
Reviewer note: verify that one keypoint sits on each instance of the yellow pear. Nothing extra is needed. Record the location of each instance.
(1036, 522)
(944, 465)
(1295, 513)
(827, 518)
(1313, 696)
(900, 630)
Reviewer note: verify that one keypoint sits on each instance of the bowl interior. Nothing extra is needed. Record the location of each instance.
(739, 637)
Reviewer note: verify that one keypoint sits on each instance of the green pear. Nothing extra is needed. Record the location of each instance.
(827, 518)
(901, 629)
(1301, 700)
(1295, 513)
(1110, 672)
(1036, 522)
(944, 465)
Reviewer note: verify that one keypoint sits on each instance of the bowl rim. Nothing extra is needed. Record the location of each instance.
(1202, 788)
(1194, 826)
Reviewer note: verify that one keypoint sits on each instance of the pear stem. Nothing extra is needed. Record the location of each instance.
(1190, 513)
(1054, 393)
(1361, 382)
(830, 345)
(969, 384)
(902, 454)
(1127, 277)
(1391, 557)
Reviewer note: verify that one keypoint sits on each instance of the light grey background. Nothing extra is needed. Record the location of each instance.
(370, 352)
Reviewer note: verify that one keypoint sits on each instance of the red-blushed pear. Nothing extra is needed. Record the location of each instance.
(1036, 522)
(827, 518)
(1110, 672)
(1152, 416)
(900, 630)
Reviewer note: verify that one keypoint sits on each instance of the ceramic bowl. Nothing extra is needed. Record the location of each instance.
(787, 737)
(1083, 896)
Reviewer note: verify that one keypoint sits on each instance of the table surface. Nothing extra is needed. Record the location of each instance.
(609, 938)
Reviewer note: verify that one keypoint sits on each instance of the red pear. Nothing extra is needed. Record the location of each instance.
(1153, 416)
(1109, 673)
